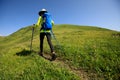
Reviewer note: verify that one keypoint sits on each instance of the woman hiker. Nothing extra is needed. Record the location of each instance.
(46, 24)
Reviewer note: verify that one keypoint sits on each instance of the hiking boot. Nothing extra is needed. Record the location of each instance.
(40, 54)
(54, 56)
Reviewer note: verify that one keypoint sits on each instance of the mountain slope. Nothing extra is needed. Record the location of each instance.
(92, 50)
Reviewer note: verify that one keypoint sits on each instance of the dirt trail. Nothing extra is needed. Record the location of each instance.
(80, 72)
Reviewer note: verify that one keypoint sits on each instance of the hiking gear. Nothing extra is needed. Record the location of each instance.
(54, 56)
(40, 53)
(48, 35)
(32, 38)
(45, 31)
(42, 12)
(43, 9)
(40, 22)
(53, 36)
(47, 21)
(58, 46)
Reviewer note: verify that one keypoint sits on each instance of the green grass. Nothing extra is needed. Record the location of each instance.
(92, 49)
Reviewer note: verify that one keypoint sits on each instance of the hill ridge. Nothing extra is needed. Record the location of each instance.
(87, 52)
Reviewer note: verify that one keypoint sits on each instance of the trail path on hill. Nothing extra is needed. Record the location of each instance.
(80, 72)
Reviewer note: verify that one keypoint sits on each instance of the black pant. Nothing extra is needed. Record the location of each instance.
(48, 35)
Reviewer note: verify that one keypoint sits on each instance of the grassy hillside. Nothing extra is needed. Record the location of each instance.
(84, 52)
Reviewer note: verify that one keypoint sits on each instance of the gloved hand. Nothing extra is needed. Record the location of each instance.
(34, 25)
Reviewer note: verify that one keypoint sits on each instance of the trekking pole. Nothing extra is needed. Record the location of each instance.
(54, 37)
(32, 37)
(58, 44)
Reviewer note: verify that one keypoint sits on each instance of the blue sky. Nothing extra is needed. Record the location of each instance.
(15, 14)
